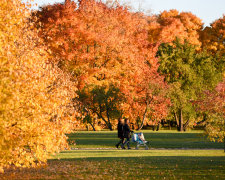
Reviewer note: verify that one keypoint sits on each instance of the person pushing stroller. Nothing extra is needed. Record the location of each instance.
(127, 134)
(123, 132)
(120, 128)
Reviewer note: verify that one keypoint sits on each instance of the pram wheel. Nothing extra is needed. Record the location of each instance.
(140, 140)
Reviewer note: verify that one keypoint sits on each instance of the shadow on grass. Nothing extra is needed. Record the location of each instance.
(175, 167)
(178, 159)
(157, 140)
(151, 167)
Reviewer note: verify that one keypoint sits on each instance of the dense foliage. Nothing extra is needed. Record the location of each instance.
(106, 45)
(34, 95)
(71, 64)
(189, 74)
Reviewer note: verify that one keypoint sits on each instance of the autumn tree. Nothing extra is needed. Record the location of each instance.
(102, 44)
(169, 25)
(212, 104)
(213, 37)
(35, 108)
(189, 73)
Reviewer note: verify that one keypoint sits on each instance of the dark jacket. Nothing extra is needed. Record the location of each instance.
(120, 130)
(127, 131)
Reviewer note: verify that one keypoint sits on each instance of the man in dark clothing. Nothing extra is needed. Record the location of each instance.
(120, 133)
(127, 132)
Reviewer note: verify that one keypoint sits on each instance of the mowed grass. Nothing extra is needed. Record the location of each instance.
(204, 160)
(129, 164)
(160, 139)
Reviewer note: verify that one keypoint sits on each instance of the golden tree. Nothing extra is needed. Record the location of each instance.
(169, 25)
(213, 37)
(35, 110)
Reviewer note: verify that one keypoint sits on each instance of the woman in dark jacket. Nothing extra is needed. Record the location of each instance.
(127, 134)
(120, 133)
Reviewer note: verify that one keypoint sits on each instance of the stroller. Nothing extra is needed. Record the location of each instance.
(140, 140)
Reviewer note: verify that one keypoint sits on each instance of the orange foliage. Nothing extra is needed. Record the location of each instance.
(35, 109)
(213, 37)
(171, 24)
(103, 45)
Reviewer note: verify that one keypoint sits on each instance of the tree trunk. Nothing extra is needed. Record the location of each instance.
(108, 124)
(153, 127)
(203, 120)
(175, 116)
(170, 124)
(143, 119)
(186, 124)
(181, 124)
(92, 126)
(158, 126)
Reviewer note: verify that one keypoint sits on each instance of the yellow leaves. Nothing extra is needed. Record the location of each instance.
(171, 24)
(171, 13)
(213, 37)
(34, 96)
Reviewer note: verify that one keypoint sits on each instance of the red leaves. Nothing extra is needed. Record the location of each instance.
(102, 45)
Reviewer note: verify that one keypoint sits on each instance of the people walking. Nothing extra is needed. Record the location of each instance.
(127, 133)
(120, 128)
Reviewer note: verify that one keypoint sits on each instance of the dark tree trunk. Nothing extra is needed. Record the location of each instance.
(203, 120)
(157, 128)
(181, 123)
(170, 124)
(108, 124)
(92, 126)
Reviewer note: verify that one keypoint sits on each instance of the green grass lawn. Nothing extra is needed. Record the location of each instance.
(160, 139)
(205, 160)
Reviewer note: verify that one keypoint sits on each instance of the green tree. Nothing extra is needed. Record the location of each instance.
(188, 73)
(102, 101)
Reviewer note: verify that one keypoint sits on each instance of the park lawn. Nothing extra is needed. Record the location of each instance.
(160, 139)
(129, 164)
(172, 155)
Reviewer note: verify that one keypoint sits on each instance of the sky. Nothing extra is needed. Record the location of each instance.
(207, 10)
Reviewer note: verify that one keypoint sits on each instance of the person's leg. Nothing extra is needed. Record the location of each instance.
(128, 143)
(121, 141)
(124, 143)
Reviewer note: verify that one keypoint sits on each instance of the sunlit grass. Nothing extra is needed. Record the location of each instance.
(200, 159)
(77, 154)
(129, 164)
(160, 139)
